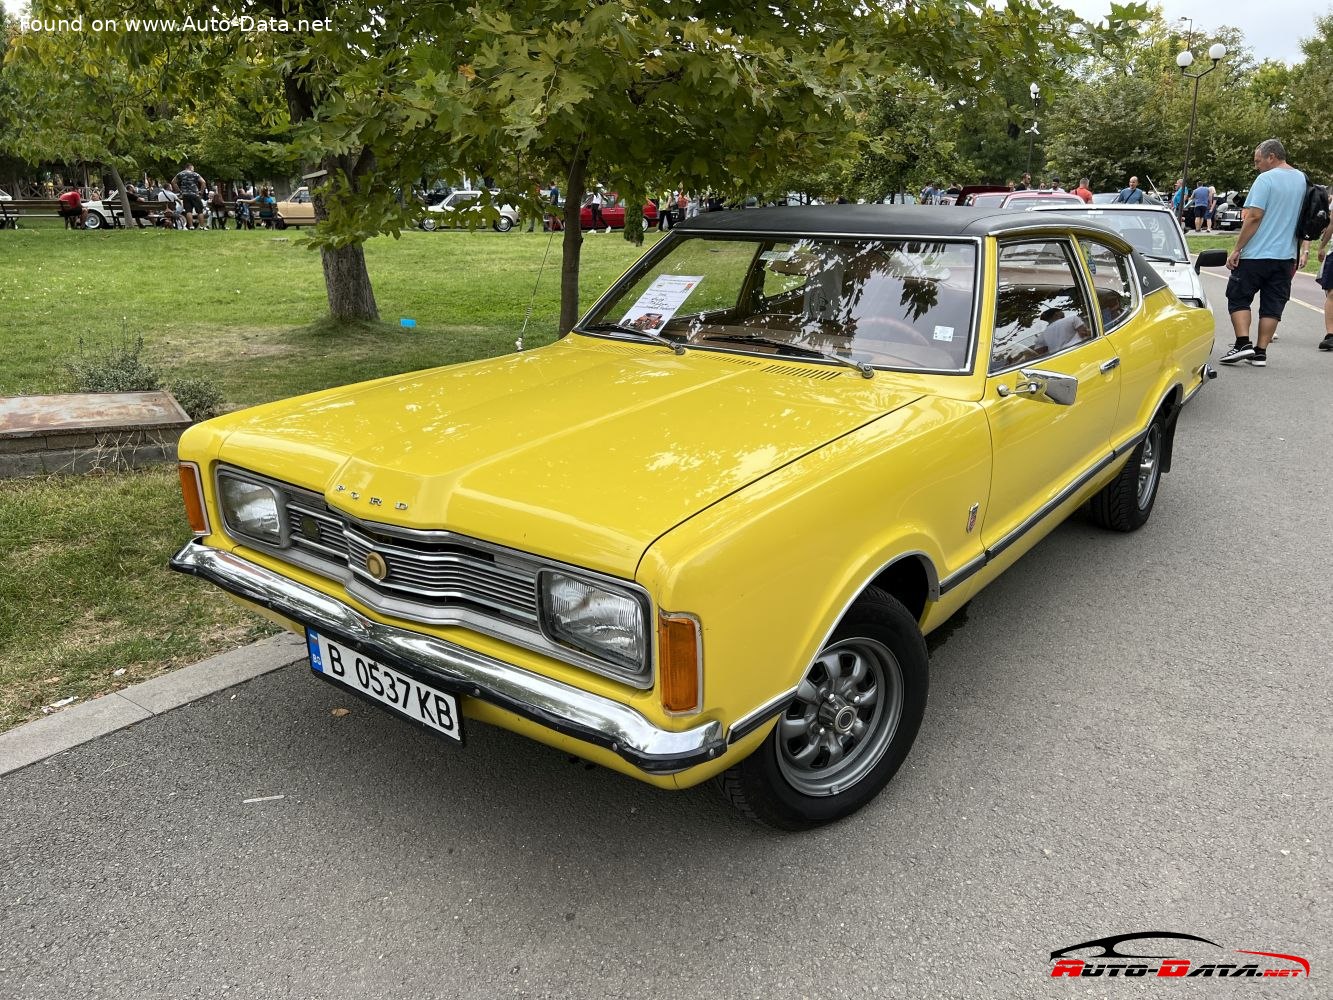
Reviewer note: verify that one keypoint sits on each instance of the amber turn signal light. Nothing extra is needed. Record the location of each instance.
(192, 490)
(680, 663)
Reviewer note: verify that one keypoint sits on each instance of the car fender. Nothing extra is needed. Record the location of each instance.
(771, 569)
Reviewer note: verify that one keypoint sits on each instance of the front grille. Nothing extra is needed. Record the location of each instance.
(444, 574)
(432, 572)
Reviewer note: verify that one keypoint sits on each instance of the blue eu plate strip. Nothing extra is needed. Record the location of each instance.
(312, 641)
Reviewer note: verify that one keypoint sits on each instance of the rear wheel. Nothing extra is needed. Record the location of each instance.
(428, 225)
(1126, 502)
(503, 224)
(849, 728)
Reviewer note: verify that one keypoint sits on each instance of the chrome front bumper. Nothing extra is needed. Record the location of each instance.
(558, 706)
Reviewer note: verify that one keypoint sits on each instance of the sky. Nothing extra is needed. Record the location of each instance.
(1273, 28)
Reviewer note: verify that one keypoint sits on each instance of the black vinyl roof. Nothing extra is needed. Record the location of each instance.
(880, 220)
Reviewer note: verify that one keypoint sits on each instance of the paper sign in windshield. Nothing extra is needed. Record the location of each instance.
(661, 301)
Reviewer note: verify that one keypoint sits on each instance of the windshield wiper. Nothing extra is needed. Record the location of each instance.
(802, 352)
(656, 338)
(1155, 256)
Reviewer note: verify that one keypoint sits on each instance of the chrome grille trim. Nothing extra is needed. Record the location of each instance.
(445, 579)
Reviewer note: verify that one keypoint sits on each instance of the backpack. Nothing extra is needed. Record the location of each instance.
(1314, 212)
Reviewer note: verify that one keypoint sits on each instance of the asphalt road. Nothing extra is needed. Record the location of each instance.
(1128, 733)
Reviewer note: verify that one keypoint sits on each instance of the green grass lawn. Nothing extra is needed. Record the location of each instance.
(84, 590)
(1225, 241)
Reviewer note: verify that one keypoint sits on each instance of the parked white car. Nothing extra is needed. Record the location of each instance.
(447, 212)
(1154, 231)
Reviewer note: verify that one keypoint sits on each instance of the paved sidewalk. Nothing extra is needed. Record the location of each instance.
(42, 738)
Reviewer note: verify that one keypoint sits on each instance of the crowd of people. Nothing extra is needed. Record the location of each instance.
(186, 201)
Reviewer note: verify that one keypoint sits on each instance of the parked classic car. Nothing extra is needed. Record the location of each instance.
(1020, 200)
(298, 209)
(449, 211)
(703, 534)
(1228, 214)
(613, 213)
(1155, 232)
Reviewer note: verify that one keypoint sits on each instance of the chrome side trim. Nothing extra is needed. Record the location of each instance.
(1046, 509)
(556, 705)
(747, 724)
(1050, 506)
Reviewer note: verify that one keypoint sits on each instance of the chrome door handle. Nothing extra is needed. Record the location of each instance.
(1111, 365)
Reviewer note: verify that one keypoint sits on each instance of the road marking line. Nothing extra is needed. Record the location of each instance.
(1299, 302)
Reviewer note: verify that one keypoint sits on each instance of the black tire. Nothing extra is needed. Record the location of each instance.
(428, 225)
(1126, 502)
(503, 224)
(768, 785)
(279, 224)
(94, 221)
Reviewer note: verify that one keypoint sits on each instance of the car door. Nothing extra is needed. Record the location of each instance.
(1044, 323)
(1119, 305)
(613, 212)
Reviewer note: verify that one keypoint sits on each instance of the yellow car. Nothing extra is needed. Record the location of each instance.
(704, 534)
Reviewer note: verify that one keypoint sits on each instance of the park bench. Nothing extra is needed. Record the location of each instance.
(28, 208)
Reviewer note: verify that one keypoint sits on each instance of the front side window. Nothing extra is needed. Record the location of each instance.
(1112, 282)
(902, 304)
(1040, 307)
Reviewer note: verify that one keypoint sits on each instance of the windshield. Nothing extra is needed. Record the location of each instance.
(901, 304)
(1152, 233)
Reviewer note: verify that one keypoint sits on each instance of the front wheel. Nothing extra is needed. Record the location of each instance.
(94, 221)
(848, 729)
(279, 224)
(428, 225)
(1126, 502)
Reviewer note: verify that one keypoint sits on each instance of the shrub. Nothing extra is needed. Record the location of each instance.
(199, 397)
(119, 370)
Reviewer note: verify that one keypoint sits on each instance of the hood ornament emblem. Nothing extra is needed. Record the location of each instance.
(376, 566)
(374, 501)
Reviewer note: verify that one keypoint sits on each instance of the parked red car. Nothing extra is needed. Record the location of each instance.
(613, 213)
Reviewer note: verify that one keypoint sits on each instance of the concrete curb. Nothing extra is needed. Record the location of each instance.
(43, 738)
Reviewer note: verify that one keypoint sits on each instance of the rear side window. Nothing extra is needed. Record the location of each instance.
(1112, 282)
(1040, 306)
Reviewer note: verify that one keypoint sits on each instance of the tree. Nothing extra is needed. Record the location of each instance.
(1128, 112)
(719, 95)
(1307, 122)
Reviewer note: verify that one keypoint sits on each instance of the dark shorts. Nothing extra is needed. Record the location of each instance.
(69, 213)
(1271, 279)
(192, 202)
(1200, 211)
(1325, 278)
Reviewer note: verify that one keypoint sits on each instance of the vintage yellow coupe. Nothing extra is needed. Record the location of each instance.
(704, 534)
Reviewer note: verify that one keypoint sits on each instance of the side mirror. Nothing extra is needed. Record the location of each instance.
(1053, 387)
(1210, 258)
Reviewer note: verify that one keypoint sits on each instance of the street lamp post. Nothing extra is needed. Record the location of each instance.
(1185, 60)
(1035, 93)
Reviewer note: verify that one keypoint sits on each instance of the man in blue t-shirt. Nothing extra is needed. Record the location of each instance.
(1130, 195)
(1268, 252)
(1203, 203)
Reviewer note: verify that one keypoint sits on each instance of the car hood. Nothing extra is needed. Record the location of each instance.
(1181, 279)
(585, 451)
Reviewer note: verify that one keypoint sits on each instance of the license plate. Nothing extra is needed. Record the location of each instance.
(407, 696)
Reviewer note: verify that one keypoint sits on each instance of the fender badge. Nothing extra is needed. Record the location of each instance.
(972, 516)
(376, 566)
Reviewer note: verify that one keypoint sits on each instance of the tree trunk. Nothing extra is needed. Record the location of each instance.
(573, 244)
(348, 283)
(126, 214)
